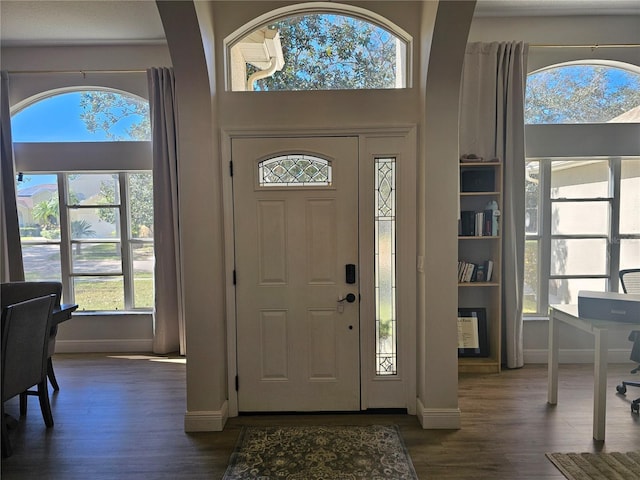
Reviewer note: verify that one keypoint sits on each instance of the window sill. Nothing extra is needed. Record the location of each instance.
(109, 313)
(535, 318)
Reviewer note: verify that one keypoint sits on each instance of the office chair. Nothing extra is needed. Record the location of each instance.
(630, 281)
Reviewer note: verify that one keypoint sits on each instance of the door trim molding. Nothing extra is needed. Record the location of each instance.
(367, 136)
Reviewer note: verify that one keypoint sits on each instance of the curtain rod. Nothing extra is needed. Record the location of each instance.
(82, 72)
(592, 46)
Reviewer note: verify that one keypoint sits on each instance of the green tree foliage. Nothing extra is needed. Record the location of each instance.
(140, 203)
(81, 229)
(47, 212)
(580, 94)
(332, 52)
(120, 117)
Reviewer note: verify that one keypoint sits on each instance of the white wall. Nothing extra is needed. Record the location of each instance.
(570, 32)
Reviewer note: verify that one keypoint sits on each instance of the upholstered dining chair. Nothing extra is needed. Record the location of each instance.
(14, 292)
(25, 337)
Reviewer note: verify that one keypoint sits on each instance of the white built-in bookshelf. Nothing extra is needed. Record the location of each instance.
(480, 260)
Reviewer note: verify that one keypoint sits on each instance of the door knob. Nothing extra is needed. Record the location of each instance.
(350, 298)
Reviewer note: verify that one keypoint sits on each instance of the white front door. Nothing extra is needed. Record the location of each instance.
(298, 346)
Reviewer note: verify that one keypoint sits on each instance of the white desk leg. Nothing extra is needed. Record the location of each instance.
(600, 384)
(552, 376)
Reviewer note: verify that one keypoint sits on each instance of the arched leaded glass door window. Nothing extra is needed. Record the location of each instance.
(294, 170)
(318, 50)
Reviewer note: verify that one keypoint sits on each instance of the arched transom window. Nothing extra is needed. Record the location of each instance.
(583, 93)
(318, 51)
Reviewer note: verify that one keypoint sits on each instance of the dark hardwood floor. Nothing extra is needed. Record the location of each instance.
(121, 417)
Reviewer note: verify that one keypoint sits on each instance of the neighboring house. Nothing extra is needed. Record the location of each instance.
(29, 197)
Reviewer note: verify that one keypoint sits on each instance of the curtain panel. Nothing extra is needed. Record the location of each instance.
(11, 250)
(169, 328)
(492, 125)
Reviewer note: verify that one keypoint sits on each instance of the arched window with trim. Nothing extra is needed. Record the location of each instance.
(331, 49)
(583, 93)
(583, 180)
(85, 196)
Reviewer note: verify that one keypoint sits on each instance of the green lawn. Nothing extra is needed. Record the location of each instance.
(94, 293)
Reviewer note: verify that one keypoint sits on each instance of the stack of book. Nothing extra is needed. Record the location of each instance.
(479, 224)
(475, 272)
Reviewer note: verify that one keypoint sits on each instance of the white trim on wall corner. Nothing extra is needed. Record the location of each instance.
(206, 421)
(438, 418)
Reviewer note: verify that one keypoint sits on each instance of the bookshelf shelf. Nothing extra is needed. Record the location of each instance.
(475, 194)
(481, 237)
(480, 206)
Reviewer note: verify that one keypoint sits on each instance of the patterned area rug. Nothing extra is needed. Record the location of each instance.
(597, 466)
(374, 452)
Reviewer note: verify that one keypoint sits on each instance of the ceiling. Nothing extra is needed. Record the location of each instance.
(87, 22)
(92, 22)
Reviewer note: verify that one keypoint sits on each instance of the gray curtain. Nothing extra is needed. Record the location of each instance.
(11, 250)
(492, 125)
(169, 331)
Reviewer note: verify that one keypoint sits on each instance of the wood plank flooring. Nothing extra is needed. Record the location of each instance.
(121, 417)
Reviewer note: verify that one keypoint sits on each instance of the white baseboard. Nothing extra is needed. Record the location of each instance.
(438, 418)
(104, 346)
(206, 421)
(575, 356)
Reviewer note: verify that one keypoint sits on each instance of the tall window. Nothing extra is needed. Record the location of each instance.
(582, 196)
(85, 203)
(319, 51)
(385, 266)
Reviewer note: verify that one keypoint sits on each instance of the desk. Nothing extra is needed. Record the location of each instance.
(568, 314)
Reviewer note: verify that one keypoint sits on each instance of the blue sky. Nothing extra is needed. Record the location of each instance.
(57, 119)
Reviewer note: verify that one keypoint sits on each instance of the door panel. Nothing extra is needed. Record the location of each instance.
(298, 346)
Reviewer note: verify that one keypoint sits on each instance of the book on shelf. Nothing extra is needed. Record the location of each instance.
(475, 272)
(481, 223)
(467, 223)
(488, 266)
(480, 272)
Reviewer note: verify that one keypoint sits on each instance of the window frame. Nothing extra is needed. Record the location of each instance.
(261, 183)
(546, 143)
(61, 159)
(311, 8)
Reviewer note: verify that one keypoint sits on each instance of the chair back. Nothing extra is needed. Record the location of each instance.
(25, 336)
(16, 292)
(630, 280)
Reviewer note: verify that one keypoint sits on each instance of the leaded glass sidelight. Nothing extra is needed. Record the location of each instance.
(385, 266)
(295, 170)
